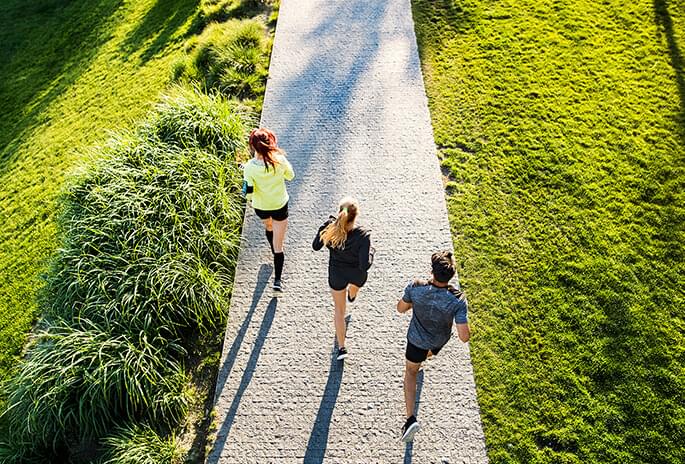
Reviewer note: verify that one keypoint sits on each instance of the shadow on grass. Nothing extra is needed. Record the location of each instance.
(409, 447)
(664, 20)
(47, 45)
(157, 29)
(443, 15)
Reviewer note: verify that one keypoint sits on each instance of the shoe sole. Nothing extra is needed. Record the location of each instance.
(277, 291)
(342, 356)
(410, 432)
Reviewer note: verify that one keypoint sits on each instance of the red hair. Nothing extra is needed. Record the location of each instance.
(264, 142)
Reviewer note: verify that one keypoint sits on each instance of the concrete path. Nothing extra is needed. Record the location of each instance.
(346, 98)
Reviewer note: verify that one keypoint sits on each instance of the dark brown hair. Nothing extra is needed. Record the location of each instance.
(264, 142)
(443, 266)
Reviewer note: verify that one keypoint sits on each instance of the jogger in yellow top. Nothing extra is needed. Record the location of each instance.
(264, 184)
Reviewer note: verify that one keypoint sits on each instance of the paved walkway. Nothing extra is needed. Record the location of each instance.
(346, 98)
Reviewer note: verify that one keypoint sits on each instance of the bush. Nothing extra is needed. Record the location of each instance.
(153, 236)
(190, 118)
(137, 444)
(231, 57)
(77, 384)
(223, 10)
(150, 236)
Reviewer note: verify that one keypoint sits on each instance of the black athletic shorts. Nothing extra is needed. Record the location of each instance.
(340, 277)
(276, 214)
(418, 355)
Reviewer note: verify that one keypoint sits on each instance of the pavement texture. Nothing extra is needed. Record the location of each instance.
(346, 98)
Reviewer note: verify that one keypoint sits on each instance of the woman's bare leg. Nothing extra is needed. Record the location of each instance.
(353, 290)
(339, 316)
(279, 228)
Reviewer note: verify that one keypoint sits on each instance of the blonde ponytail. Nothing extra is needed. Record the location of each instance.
(335, 233)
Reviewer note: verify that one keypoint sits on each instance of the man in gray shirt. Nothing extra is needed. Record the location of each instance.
(435, 304)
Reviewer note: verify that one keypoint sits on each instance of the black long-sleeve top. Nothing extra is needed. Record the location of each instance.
(355, 252)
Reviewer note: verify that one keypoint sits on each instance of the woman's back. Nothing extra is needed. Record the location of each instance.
(269, 192)
(355, 251)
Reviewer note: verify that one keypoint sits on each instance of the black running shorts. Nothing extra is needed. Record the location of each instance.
(340, 277)
(418, 355)
(276, 214)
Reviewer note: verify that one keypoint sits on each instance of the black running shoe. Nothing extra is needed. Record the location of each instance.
(342, 353)
(409, 430)
(349, 298)
(277, 287)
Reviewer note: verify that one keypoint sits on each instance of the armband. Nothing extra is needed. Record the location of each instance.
(247, 189)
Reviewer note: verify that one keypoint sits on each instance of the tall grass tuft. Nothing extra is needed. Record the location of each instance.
(230, 57)
(154, 233)
(77, 384)
(140, 444)
(189, 118)
(150, 235)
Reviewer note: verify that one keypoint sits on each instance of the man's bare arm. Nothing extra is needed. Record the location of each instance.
(403, 306)
(464, 332)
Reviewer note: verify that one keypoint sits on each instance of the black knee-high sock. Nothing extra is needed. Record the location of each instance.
(279, 258)
(270, 238)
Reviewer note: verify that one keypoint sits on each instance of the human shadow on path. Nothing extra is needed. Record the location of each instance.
(225, 370)
(318, 440)
(409, 448)
(225, 427)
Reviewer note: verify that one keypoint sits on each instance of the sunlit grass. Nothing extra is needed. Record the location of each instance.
(70, 73)
(562, 126)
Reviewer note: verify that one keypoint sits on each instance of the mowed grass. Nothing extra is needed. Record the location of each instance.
(70, 72)
(562, 130)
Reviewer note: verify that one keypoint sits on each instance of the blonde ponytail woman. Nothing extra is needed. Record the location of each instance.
(350, 258)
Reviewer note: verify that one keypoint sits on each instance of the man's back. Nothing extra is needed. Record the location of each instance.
(434, 309)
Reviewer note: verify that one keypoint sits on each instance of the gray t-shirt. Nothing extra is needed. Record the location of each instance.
(433, 310)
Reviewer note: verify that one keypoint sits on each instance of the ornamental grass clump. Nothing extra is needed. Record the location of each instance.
(150, 236)
(77, 384)
(154, 233)
(231, 57)
(190, 118)
(140, 444)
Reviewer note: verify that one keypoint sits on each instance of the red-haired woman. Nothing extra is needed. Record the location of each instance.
(350, 259)
(264, 183)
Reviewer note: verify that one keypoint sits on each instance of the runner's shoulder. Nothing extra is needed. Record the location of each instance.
(457, 293)
(362, 231)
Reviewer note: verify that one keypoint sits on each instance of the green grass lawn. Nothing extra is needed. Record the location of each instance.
(70, 72)
(561, 124)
